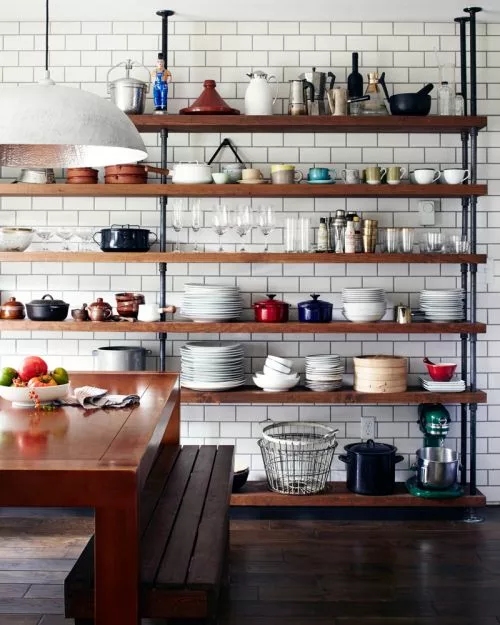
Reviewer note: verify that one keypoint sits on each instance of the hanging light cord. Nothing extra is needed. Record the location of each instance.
(46, 36)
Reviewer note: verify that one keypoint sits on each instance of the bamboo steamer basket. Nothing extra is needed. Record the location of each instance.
(380, 374)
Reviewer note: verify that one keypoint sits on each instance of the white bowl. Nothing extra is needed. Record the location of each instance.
(282, 361)
(19, 395)
(270, 385)
(278, 375)
(277, 366)
(15, 239)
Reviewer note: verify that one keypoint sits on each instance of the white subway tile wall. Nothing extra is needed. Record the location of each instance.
(82, 53)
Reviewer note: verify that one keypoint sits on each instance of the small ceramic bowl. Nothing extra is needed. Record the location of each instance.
(220, 178)
(442, 372)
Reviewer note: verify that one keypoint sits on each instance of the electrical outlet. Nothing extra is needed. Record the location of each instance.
(427, 212)
(367, 428)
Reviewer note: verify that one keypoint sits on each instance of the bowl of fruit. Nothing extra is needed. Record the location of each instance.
(32, 383)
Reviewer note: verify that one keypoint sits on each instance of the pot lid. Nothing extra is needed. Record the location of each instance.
(209, 102)
(314, 303)
(12, 304)
(100, 303)
(48, 300)
(371, 448)
(270, 302)
(257, 74)
(128, 81)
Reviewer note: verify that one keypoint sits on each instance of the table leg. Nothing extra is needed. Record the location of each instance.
(117, 565)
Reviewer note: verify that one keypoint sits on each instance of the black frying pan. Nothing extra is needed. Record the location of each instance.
(408, 103)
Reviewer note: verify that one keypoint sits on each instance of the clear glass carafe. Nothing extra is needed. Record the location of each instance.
(376, 104)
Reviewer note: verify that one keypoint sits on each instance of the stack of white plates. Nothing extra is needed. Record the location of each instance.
(363, 305)
(278, 375)
(453, 386)
(212, 365)
(324, 373)
(441, 305)
(211, 302)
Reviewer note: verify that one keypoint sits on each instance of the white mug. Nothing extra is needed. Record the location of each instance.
(152, 312)
(455, 176)
(426, 176)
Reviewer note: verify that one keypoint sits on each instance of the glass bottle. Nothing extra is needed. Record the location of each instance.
(322, 236)
(339, 224)
(445, 99)
(350, 237)
(376, 104)
(161, 79)
(459, 104)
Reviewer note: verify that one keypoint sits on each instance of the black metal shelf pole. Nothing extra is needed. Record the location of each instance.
(162, 267)
(464, 267)
(473, 245)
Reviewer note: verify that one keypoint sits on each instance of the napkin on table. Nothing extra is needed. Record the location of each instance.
(93, 397)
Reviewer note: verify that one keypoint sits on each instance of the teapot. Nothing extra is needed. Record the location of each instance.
(258, 96)
(99, 310)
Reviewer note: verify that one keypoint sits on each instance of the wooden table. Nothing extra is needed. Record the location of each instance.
(99, 459)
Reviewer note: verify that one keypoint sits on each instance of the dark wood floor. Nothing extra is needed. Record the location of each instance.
(293, 572)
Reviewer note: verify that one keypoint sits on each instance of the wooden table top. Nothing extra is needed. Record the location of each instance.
(71, 438)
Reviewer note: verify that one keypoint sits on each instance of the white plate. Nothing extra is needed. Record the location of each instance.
(210, 386)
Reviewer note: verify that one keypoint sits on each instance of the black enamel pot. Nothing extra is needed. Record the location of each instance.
(125, 239)
(47, 309)
(371, 467)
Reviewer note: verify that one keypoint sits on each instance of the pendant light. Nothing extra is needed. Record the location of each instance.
(45, 125)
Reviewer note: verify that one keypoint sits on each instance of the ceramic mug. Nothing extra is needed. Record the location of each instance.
(220, 178)
(286, 176)
(251, 174)
(375, 175)
(319, 174)
(395, 174)
(426, 176)
(455, 176)
(350, 176)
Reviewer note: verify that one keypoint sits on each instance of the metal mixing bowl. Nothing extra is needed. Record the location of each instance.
(437, 467)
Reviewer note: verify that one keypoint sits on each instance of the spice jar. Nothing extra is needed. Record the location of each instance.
(271, 310)
(12, 309)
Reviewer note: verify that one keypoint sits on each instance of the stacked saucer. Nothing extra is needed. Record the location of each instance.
(324, 373)
(211, 302)
(443, 305)
(453, 386)
(212, 365)
(363, 305)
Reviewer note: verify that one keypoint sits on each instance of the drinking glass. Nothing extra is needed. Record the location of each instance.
(391, 240)
(220, 222)
(242, 222)
(407, 239)
(304, 231)
(267, 222)
(458, 244)
(177, 221)
(196, 220)
(291, 234)
(65, 235)
(433, 241)
(44, 234)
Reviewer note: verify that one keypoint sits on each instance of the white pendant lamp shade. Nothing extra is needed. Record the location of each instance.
(46, 125)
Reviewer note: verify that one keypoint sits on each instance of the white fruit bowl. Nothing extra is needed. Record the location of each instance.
(20, 395)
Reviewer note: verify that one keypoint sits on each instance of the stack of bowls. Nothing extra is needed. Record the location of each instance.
(278, 375)
(211, 302)
(363, 305)
(324, 373)
(212, 365)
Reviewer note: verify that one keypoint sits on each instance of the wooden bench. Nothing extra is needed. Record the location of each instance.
(184, 538)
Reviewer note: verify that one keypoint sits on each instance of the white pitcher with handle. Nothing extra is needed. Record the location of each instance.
(259, 97)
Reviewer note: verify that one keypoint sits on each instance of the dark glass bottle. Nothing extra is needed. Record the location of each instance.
(355, 79)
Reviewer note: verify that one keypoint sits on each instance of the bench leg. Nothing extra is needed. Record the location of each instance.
(84, 621)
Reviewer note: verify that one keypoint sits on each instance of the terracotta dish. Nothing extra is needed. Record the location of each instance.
(127, 304)
(130, 174)
(209, 103)
(12, 309)
(82, 175)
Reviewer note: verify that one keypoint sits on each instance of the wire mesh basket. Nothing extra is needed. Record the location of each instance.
(297, 456)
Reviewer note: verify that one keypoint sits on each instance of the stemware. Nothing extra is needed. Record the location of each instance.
(220, 222)
(86, 237)
(266, 223)
(196, 220)
(65, 235)
(44, 234)
(243, 223)
(177, 221)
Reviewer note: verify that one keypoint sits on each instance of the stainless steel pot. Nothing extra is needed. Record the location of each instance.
(437, 467)
(129, 94)
(37, 176)
(120, 358)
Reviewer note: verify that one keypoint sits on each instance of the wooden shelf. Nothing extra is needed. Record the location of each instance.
(320, 123)
(302, 190)
(235, 257)
(301, 395)
(246, 327)
(337, 495)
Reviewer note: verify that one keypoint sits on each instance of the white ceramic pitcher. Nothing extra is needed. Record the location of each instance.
(259, 97)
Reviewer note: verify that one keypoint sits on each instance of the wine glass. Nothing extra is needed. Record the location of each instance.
(44, 234)
(196, 220)
(243, 222)
(267, 222)
(85, 235)
(65, 235)
(177, 221)
(220, 222)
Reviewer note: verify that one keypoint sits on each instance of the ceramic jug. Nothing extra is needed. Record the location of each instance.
(258, 96)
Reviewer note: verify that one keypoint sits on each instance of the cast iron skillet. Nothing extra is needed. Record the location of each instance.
(408, 103)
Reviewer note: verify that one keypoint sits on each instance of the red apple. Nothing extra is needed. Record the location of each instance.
(31, 367)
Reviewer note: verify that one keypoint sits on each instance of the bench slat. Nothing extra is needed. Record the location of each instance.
(175, 564)
(158, 532)
(156, 481)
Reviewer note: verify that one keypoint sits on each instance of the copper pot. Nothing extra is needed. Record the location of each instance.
(130, 174)
(12, 309)
(81, 175)
(127, 304)
(99, 310)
